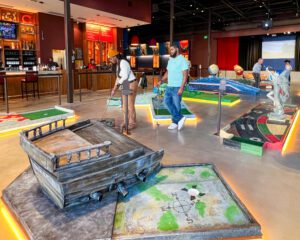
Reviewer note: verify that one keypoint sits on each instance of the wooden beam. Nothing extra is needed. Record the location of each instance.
(68, 47)
(171, 20)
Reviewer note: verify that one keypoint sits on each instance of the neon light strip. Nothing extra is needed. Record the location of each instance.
(163, 121)
(290, 134)
(14, 226)
(212, 102)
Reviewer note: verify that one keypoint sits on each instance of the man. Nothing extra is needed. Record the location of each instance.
(256, 71)
(177, 73)
(92, 64)
(287, 70)
(52, 64)
(124, 73)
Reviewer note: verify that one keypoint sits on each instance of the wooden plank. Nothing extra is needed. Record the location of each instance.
(62, 141)
(79, 170)
(50, 186)
(46, 160)
(97, 133)
(104, 184)
(111, 174)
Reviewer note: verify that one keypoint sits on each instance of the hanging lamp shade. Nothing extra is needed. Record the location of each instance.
(152, 43)
(135, 40)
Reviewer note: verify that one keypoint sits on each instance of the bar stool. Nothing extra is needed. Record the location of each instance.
(30, 78)
(2, 75)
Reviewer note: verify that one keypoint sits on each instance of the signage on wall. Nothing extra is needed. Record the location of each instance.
(99, 33)
(78, 54)
(27, 18)
(10, 16)
(184, 48)
(106, 34)
(155, 61)
(132, 61)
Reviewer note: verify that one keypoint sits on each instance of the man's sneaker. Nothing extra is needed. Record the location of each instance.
(172, 126)
(181, 122)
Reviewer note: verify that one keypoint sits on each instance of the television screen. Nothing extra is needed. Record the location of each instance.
(8, 30)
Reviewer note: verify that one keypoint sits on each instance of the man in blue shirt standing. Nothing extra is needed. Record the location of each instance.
(177, 73)
(256, 71)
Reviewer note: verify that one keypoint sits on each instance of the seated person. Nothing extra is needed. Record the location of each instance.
(52, 64)
(92, 64)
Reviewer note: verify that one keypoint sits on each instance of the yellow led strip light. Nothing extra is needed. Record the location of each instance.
(291, 133)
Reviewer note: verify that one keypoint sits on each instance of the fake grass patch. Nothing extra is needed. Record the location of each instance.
(43, 114)
(209, 96)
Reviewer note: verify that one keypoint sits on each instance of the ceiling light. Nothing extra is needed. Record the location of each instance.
(288, 32)
(202, 10)
(191, 5)
(260, 6)
(197, 8)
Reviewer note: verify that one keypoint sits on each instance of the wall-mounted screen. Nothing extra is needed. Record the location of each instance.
(8, 30)
(277, 49)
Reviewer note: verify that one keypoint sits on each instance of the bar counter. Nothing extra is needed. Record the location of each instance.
(56, 82)
(90, 79)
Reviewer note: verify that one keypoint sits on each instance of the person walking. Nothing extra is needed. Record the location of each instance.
(124, 73)
(256, 71)
(176, 74)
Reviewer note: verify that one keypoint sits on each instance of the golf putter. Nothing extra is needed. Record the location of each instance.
(106, 106)
(126, 92)
(158, 96)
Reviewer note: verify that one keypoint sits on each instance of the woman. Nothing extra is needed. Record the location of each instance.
(124, 73)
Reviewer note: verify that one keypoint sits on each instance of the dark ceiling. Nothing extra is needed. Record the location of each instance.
(191, 16)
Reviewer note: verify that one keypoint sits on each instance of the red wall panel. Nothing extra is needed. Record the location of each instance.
(199, 51)
(51, 34)
(228, 52)
(78, 35)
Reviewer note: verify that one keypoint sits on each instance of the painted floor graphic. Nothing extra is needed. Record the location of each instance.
(253, 131)
(180, 200)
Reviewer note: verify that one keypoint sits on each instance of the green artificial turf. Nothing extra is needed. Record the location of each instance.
(162, 112)
(209, 96)
(43, 114)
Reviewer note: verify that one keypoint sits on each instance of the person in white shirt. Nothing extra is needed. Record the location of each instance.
(124, 73)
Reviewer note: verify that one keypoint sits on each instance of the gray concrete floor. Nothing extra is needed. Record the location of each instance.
(268, 185)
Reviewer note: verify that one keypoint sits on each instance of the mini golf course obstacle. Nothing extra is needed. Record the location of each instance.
(160, 112)
(253, 132)
(154, 103)
(11, 122)
(211, 98)
(202, 97)
(82, 162)
(178, 202)
(212, 84)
